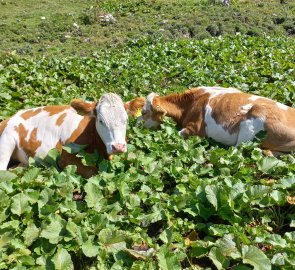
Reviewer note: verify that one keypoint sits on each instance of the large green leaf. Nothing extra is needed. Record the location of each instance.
(31, 175)
(167, 259)
(211, 194)
(62, 259)
(113, 240)
(31, 233)
(93, 196)
(227, 246)
(52, 231)
(89, 248)
(269, 163)
(219, 260)
(254, 256)
(20, 204)
(7, 176)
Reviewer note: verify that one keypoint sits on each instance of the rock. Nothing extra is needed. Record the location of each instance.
(107, 18)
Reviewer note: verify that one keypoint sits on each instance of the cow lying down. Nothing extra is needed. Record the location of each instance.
(33, 132)
(226, 115)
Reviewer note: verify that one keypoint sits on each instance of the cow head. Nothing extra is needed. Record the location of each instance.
(132, 107)
(111, 120)
(152, 113)
(111, 123)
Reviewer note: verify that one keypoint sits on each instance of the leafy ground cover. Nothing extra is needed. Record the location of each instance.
(168, 203)
(58, 27)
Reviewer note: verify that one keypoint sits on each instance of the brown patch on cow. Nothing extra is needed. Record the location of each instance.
(29, 146)
(186, 109)
(133, 106)
(59, 145)
(3, 125)
(227, 110)
(30, 113)
(83, 107)
(84, 134)
(55, 109)
(60, 119)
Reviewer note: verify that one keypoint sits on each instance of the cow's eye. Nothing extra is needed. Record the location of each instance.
(101, 122)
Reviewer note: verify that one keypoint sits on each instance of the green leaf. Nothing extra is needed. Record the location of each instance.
(218, 259)
(31, 175)
(5, 96)
(167, 259)
(73, 148)
(7, 176)
(268, 163)
(5, 239)
(273, 239)
(287, 182)
(52, 231)
(30, 234)
(227, 246)
(166, 235)
(113, 240)
(211, 192)
(20, 204)
(279, 259)
(254, 256)
(62, 259)
(89, 248)
(93, 196)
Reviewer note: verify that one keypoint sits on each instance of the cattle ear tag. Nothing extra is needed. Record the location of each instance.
(137, 113)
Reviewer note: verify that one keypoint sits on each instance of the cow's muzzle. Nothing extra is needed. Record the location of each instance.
(118, 148)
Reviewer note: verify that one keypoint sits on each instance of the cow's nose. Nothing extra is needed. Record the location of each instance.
(119, 147)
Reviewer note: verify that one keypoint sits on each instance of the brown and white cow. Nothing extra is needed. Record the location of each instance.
(33, 132)
(132, 107)
(226, 115)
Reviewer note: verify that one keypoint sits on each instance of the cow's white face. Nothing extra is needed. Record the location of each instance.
(151, 117)
(111, 123)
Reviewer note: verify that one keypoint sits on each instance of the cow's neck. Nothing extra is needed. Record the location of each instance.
(175, 105)
(87, 134)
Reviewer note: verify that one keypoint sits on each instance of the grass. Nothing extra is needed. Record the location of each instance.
(47, 27)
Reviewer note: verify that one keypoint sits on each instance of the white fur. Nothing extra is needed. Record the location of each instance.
(246, 108)
(216, 90)
(149, 102)
(249, 128)
(147, 110)
(254, 98)
(216, 131)
(282, 106)
(111, 122)
(181, 132)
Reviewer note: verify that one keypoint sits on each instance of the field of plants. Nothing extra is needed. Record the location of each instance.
(168, 203)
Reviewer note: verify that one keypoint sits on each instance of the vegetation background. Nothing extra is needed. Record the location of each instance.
(168, 203)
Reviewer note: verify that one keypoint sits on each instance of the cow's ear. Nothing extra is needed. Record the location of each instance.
(133, 107)
(83, 107)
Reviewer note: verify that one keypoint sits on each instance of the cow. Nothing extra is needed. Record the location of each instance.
(33, 132)
(132, 107)
(226, 115)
